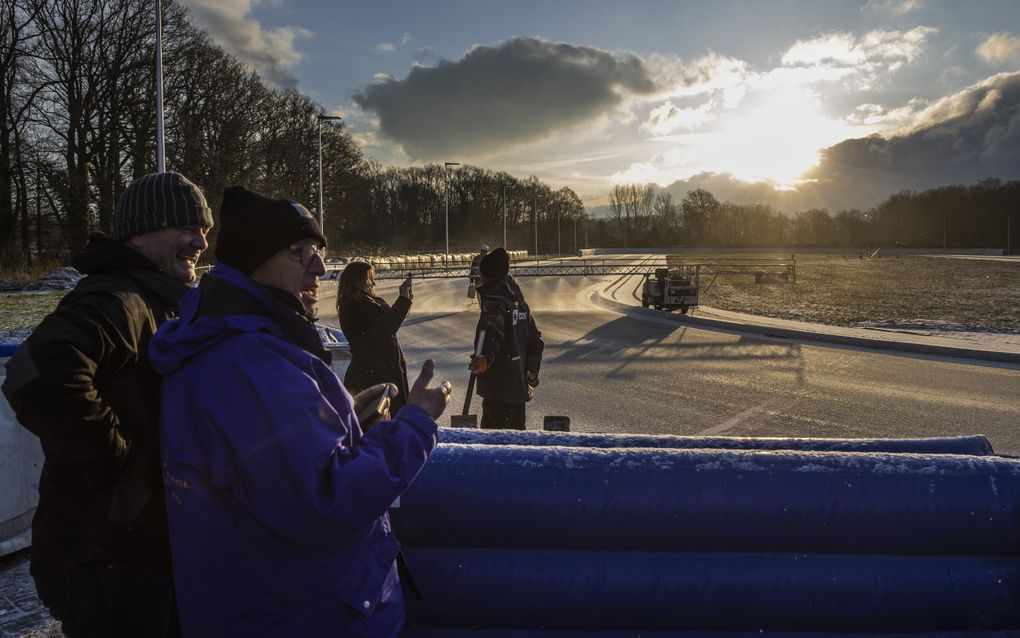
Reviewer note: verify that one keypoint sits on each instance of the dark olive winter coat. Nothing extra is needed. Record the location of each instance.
(83, 384)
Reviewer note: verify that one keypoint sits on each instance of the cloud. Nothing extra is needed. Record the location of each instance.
(892, 8)
(862, 59)
(271, 52)
(668, 118)
(496, 97)
(425, 57)
(716, 74)
(999, 48)
(959, 139)
(388, 47)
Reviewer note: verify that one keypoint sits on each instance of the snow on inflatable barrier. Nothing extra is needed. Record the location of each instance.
(976, 444)
(517, 538)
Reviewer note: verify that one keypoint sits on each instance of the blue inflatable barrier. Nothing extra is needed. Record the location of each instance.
(977, 444)
(416, 631)
(712, 500)
(8, 349)
(510, 540)
(711, 590)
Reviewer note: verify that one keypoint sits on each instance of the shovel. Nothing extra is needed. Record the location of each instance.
(465, 420)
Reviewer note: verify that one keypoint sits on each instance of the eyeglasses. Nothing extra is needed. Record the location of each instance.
(306, 253)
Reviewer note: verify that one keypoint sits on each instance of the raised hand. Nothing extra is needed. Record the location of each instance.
(432, 400)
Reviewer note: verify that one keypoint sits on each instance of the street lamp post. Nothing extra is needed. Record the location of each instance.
(446, 168)
(504, 217)
(559, 245)
(321, 119)
(160, 151)
(534, 214)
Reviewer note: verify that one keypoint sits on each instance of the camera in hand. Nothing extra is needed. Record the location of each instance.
(378, 408)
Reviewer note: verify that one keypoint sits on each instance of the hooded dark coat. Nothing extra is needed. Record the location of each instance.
(513, 343)
(83, 384)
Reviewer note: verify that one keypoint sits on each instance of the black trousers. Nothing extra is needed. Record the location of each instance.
(112, 601)
(501, 415)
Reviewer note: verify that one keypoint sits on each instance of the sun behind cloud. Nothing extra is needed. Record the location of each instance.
(774, 137)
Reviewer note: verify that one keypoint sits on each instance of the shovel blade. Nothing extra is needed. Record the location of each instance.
(464, 420)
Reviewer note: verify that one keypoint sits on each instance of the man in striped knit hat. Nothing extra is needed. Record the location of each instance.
(82, 382)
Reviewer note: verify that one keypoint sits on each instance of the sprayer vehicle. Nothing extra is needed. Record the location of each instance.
(669, 289)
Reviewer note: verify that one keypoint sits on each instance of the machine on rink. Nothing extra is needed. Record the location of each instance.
(669, 289)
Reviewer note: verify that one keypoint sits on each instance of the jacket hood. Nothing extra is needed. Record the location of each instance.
(505, 287)
(103, 253)
(227, 303)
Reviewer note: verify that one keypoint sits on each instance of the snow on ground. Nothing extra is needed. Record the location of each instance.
(974, 335)
(60, 279)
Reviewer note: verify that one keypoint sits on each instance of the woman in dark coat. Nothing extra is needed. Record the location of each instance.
(371, 325)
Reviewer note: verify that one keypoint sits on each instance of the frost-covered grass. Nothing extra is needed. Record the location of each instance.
(981, 295)
(20, 312)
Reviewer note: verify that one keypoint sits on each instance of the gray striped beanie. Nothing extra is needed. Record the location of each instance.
(158, 201)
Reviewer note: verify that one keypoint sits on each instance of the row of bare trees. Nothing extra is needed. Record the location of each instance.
(976, 216)
(78, 121)
(409, 208)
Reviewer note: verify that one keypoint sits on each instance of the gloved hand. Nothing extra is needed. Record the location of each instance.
(479, 364)
(532, 379)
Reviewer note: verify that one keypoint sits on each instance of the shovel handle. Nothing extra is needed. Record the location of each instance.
(467, 398)
(471, 382)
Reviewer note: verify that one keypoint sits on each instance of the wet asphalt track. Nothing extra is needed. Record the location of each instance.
(611, 372)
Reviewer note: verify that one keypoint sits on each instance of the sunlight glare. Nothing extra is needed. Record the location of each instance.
(774, 137)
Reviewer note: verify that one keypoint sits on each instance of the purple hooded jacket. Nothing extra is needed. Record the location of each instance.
(276, 499)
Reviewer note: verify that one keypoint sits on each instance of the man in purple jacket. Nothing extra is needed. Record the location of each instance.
(276, 498)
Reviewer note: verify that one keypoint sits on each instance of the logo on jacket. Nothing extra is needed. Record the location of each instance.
(519, 314)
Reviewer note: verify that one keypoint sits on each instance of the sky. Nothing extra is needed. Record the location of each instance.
(798, 104)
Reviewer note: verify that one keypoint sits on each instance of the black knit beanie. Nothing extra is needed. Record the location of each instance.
(254, 227)
(496, 264)
(158, 201)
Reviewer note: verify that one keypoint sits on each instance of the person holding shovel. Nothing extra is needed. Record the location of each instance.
(509, 352)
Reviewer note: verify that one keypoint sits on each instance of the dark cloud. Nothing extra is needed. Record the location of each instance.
(968, 136)
(495, 97)
(961, 139)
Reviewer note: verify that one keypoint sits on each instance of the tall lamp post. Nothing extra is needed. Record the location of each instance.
(504, 217)
(160, 151)
(321, 119)
(534, 215)
(559, 244)
(446, 168)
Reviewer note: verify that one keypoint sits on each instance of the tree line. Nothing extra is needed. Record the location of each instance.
(982, 215)
(78, 122)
